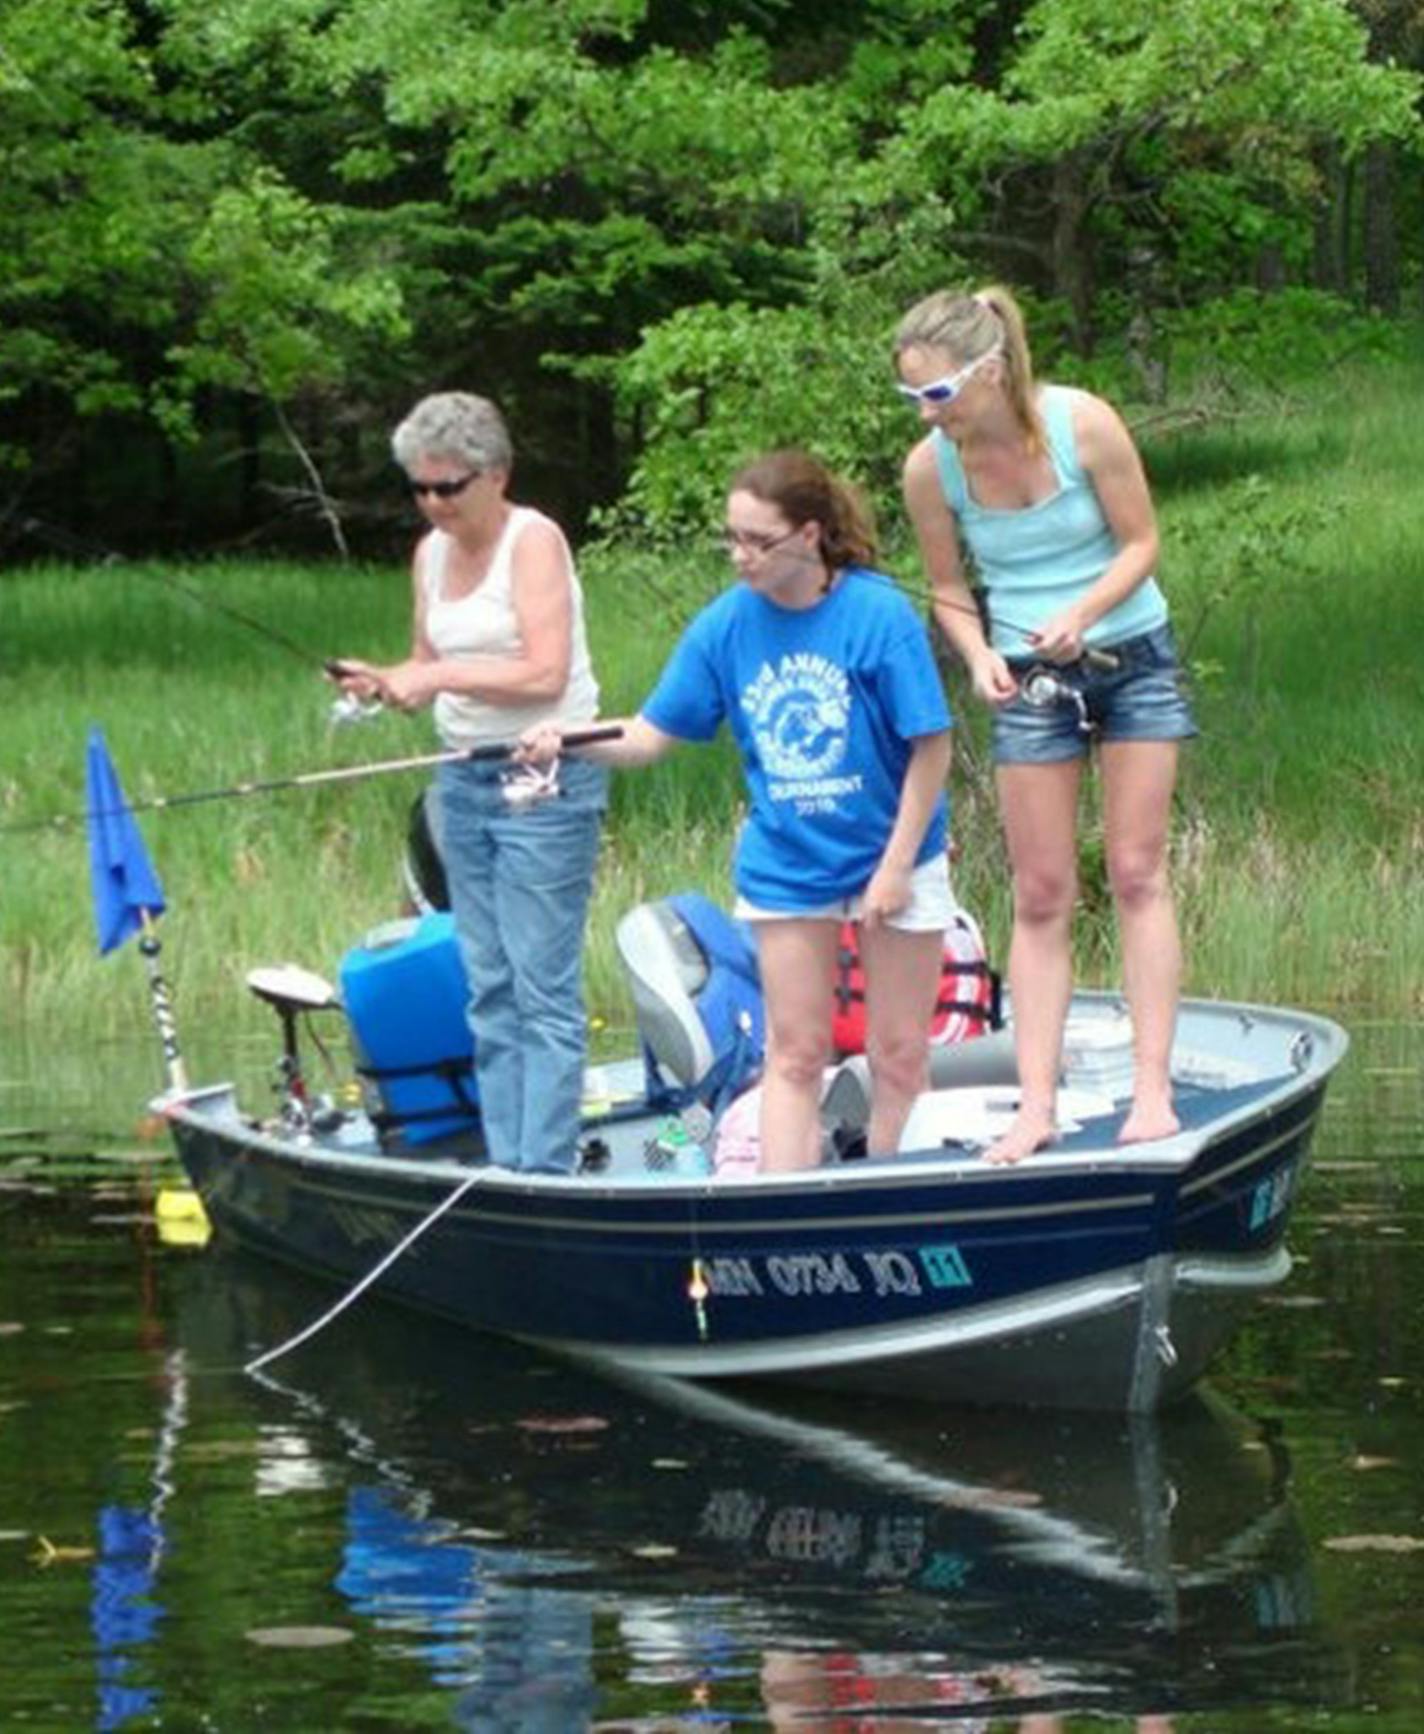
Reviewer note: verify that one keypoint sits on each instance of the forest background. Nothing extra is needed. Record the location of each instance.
(241, 237)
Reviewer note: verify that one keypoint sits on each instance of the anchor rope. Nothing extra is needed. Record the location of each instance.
(355, 1293)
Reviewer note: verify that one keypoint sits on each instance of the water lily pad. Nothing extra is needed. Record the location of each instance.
(208, 1449)
(299, 1637)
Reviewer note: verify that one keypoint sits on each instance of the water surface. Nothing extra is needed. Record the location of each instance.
(400, 1526)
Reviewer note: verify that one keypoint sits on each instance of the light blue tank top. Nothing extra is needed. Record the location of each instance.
(1034, 560)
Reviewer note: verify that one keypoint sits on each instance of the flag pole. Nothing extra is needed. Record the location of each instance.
(162, 1000)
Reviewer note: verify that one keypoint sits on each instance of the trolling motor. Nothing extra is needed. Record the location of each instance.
(290, 991)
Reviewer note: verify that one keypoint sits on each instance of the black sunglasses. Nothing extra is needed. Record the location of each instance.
(442, 490)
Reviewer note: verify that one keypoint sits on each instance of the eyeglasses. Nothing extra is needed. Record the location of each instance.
(442, 490)
(755, 542)
(942, 391)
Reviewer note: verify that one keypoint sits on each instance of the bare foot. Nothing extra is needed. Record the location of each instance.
(1149, 1120)
(1027, 1132)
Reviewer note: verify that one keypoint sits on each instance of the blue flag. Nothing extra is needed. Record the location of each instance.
(125, 884)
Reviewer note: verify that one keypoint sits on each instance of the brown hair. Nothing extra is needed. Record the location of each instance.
(802, 489)
(968, 326)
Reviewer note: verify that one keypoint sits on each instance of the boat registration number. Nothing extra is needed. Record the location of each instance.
(881, 1272)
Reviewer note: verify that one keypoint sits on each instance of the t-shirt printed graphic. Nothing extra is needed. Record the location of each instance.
(825, 704)
(799, 714)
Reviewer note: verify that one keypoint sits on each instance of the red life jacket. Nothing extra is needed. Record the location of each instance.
(968, 1003)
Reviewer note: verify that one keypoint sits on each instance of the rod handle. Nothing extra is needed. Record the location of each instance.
(590, 737)
(574, 738)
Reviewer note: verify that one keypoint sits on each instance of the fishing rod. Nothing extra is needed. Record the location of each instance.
(1103, 660)
(347, 708)
(536, 786)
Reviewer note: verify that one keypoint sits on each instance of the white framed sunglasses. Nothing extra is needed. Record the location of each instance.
(942, 391)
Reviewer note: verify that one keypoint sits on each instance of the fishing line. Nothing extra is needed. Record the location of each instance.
(270, 633)
(924, 593)
(70, 543)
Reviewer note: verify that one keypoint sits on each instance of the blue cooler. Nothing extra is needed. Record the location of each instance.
(405, 992)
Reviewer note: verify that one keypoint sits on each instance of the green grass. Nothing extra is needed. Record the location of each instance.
(1294, 561)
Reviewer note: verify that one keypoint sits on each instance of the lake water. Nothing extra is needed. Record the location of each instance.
(402, 1527)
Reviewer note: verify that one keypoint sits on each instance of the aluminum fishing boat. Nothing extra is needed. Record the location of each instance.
(1091, 1275)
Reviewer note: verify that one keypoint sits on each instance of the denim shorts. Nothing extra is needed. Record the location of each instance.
(1142, 699)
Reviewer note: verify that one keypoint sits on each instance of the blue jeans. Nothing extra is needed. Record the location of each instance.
(1142, 699)
(520, 880)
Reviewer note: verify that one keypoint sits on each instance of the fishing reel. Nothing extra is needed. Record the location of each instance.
(349, 709)
(527, 785)
(1042, 687)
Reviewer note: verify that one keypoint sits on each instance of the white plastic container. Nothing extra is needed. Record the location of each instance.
(1097, 1055)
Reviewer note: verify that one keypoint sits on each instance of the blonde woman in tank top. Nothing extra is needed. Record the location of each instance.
(498, 646)
(1044, 488)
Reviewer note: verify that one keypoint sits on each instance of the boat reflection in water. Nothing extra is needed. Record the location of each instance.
(561, 1551)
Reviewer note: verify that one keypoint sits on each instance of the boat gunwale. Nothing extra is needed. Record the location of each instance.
(941, 1168)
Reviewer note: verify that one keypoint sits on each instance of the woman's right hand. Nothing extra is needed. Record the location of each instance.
(993, 679)
(361, 679)
(539, 746)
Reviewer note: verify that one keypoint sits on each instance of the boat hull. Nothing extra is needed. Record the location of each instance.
(1100, 1278)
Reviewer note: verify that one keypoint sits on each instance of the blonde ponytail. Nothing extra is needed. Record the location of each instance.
(968, 326)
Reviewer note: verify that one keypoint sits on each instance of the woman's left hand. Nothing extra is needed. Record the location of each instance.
(359, 679)
(887, 894)
(407, 685)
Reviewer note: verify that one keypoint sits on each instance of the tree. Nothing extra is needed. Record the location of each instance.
(1194, 130)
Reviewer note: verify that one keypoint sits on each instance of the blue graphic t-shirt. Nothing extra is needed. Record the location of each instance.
(825, 704)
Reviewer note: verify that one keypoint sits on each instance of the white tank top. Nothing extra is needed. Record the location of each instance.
(484, 623)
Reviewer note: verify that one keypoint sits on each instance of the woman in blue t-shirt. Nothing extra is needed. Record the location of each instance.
(823, 672)
(1045, 487)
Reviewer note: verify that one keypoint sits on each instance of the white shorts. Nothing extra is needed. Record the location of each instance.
(931, 907)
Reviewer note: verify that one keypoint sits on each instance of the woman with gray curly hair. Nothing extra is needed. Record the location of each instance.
(498, 647)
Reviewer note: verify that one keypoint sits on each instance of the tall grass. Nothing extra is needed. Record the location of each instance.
(1294, 561)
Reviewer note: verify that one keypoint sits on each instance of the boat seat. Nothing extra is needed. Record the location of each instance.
(665, 968)
(692, 973)
(982, 1061)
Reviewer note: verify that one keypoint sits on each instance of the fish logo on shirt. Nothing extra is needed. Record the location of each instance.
(800, 716)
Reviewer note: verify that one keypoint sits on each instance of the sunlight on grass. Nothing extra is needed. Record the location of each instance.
(1296, 579)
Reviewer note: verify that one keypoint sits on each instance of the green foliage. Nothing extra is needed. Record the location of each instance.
(274, 306)
(661, 235)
